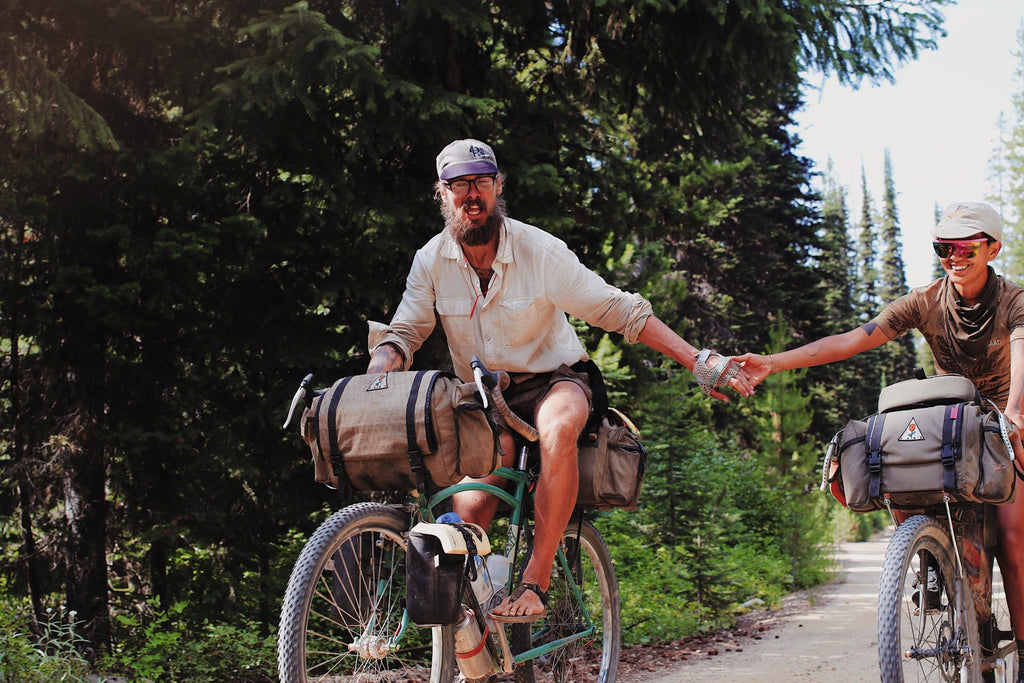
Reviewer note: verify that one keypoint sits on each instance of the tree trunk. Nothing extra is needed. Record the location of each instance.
(85, 510)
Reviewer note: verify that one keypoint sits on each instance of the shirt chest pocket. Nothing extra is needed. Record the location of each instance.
(519, 321)
(455, 318)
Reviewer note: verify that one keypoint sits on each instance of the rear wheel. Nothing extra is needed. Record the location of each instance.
(596, 657)
(925, 635)
(343, 612)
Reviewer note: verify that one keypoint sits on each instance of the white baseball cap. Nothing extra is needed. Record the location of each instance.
(466, 157)
(961, 220)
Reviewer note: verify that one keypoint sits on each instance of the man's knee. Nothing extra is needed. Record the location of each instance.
(562, 415)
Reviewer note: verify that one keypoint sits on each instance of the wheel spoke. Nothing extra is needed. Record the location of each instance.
(345, 604)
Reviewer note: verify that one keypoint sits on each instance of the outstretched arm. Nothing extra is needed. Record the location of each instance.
(825, 350)
(663, 339)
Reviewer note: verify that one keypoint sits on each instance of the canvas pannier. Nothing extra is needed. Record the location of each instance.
(612, 461)
(930, 436)
(399, 431)
(438, 560)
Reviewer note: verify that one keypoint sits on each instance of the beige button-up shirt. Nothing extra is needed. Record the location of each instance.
(520, 324)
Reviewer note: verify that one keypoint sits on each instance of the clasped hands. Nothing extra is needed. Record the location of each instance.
(741, 373)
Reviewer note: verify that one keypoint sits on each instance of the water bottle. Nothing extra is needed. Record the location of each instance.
(471, 651)
(482, 586)
(497, 567)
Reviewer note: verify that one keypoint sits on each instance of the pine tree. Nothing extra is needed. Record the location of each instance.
(836, 265)
(1012, 165)
(867, 273)
(900, 355)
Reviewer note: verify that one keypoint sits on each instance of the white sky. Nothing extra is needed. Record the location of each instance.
(938, 121)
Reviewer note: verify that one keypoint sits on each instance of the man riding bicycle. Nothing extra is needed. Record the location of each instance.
(502, 290)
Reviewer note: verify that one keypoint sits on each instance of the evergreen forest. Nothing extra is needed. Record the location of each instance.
(201, 201)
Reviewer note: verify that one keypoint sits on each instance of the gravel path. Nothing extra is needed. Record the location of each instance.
(825, 634)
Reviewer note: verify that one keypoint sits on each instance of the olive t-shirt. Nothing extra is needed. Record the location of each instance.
(924, 309)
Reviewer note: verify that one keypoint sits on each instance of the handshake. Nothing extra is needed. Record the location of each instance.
(741, 373)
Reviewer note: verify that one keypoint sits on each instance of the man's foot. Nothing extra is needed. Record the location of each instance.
(527, 603)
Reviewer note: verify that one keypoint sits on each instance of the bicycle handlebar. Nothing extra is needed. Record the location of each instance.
(494, 381)
(299, 395)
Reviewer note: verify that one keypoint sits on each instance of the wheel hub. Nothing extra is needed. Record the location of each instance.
(371, 647)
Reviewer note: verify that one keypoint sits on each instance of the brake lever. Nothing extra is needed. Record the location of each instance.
(478, 377)
(299, 395)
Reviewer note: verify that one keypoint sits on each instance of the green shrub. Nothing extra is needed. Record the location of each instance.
(47, 658)
(165, 647)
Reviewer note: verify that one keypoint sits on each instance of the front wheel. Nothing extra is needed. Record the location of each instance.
(927, 630)
(343, 617)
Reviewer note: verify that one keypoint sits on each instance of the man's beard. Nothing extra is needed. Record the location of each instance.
(468, 233)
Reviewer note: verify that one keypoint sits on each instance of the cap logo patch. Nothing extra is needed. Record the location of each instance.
(478, 151)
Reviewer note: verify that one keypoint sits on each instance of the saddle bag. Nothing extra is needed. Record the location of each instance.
(438, 558)
(931, 436)
(612, 462)
(399, 431)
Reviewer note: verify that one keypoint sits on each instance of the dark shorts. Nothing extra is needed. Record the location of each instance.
(527, 391)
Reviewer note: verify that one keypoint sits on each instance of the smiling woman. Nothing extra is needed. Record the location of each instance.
(967, 240)
(973, 321)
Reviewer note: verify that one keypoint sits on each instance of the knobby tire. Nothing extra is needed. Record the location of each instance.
(938, 635)
(345, 601)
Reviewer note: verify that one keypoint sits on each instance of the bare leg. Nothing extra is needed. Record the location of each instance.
(561, 417)
(1010, 553)
(479, 507)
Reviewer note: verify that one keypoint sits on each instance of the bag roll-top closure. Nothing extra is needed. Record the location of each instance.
(930, 391)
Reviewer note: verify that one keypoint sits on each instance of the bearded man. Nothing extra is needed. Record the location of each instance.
(502, 289)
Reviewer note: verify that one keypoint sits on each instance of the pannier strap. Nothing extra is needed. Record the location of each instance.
(415, 455)
(337, 462)
(873, 446)
(952, 426)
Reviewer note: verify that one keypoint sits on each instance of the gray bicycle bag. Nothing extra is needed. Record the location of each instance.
(931, 437)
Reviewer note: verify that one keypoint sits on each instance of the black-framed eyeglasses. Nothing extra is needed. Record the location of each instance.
(484, 183)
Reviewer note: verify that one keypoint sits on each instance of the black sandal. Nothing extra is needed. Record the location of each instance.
(522, 618)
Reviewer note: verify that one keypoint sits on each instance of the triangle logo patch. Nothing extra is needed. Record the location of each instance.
(911, 433)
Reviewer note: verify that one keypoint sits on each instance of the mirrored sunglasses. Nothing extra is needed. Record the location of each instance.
(962, 248)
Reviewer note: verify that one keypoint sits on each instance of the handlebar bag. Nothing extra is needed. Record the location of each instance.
(399, 431)
(612, 462)
(930, 437)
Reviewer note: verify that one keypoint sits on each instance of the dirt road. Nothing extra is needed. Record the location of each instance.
(823, 635)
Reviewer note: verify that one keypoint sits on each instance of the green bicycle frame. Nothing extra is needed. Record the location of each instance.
(515, 502)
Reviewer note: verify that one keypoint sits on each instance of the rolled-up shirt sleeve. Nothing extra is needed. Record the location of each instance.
(582, 293)
(414, 320)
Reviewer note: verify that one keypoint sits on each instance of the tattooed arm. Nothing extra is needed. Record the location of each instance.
(385, 358)
(825, 350)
